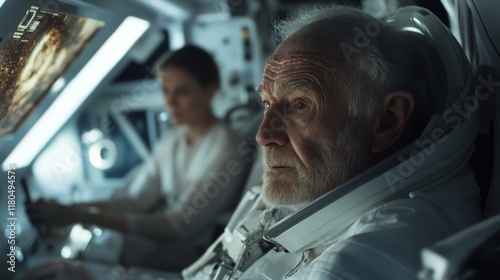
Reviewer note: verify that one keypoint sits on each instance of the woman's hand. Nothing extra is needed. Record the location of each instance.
(51, 214)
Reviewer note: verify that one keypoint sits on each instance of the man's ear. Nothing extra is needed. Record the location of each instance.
(390, 120)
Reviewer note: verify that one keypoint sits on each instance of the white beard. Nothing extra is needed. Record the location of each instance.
(341, 157)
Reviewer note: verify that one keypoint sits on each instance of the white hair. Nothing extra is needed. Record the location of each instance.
(375, 70)
(379, 8)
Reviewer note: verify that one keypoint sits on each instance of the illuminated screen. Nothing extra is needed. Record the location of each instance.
(43, 46)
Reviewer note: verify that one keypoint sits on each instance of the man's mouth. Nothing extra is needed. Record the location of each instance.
(278, 167)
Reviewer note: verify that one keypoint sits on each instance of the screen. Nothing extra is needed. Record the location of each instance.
(43, 46)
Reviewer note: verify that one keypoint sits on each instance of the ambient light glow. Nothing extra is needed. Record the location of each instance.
(77, 90)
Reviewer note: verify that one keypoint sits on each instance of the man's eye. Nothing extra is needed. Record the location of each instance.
(266, 105)
(300, 105)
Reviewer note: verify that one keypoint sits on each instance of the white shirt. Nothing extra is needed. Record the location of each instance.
(198, 182)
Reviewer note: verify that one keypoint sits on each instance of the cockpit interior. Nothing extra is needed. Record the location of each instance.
(82, 109)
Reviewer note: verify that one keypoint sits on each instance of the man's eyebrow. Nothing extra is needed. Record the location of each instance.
(259, 90)
(300, 84)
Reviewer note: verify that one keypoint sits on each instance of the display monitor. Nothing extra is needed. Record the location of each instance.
(35, 57)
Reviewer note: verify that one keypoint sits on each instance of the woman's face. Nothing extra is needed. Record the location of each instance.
(186, 101)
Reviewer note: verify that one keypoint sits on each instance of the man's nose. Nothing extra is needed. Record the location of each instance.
(272, 130)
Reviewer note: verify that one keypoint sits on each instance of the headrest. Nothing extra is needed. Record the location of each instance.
(439, 63)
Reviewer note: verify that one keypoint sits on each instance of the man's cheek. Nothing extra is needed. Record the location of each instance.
(306, 150)
(310, 153)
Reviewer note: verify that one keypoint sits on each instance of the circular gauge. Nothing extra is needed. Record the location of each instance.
(103, 154)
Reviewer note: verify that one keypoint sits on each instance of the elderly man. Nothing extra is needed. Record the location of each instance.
(338, 98)
(337, 102)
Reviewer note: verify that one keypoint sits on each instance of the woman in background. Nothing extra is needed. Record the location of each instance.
(195, 174)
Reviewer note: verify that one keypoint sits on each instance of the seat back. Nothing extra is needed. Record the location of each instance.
(476, 27)
(492, 206)
(473, 253)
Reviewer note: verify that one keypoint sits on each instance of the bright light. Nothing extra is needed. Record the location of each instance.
(77, 91)
(178, 10)
(97, 231)
(92, 136)
(100, 160)
(78, 240)
(1, 3)
(417, 21)
(412, 29)
(66, 252)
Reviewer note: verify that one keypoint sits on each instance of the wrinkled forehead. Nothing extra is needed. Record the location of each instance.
(298, 62)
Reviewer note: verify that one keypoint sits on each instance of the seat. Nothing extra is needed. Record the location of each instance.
(473, 253)
(467, 255)
(245, 118)
(474, 24)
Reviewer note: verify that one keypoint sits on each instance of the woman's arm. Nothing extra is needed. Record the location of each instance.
(218, 189)
(144, 193)
(52, 214)
(115, 205)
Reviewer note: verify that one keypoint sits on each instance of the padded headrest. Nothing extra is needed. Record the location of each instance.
(438, 62)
